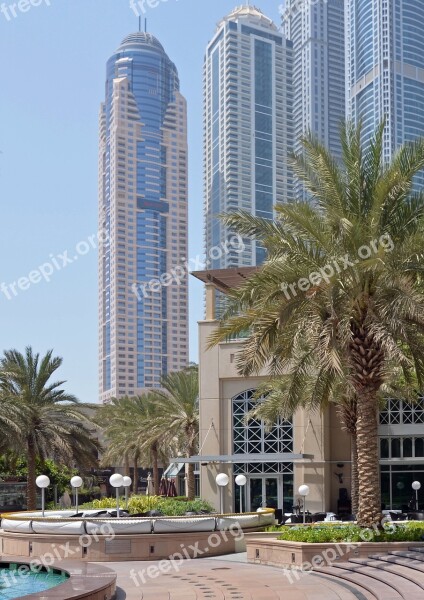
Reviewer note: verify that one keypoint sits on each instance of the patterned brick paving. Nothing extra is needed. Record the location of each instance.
(219, 579)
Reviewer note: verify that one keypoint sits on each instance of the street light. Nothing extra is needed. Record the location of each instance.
(304, 491)
(416, 486)
(127, 481)
(42, 482)
(241, 482)
(222, 481)
(116, 480)
(76, 483)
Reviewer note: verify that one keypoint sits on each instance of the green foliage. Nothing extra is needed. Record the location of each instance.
(319, 534)
(16, 468)
(39, 419)
(172, 507)
(336, 311)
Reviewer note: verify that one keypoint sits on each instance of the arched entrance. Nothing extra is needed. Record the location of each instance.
(269, 482)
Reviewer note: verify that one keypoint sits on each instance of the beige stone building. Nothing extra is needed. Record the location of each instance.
(311, 449)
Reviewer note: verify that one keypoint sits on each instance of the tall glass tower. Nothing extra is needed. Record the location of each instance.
(248, 129)
(316, 30)
(143, 308)
(385, 68)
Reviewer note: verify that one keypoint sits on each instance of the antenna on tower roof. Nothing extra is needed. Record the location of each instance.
(139, 23)
(145, 25)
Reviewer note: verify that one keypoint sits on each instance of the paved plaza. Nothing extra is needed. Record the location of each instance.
(230, 578)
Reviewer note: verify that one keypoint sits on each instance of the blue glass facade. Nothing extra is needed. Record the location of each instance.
(144, 174)
(248, 103)
(386, 68)
(264, 138)
(216, 151)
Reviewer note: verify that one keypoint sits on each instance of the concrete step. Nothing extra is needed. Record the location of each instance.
(409, 554)
(344, 589)
(378, 589)
(404, 587)
(410, 575)
(409, 562)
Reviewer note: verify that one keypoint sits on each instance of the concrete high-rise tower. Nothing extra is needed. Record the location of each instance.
(317, 32)
(143, 311)
(248, 127)
(385, 68)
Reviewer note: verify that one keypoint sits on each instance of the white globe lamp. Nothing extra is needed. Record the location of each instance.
(116, 480)
(304, 491)
(76, 483)
(241, 481)
(416, 486)
(222, 480)
(43, 482)
(127, 481)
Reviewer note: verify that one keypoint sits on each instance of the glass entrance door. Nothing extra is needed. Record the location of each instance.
(263, 492)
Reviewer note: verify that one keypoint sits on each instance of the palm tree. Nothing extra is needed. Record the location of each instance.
(128, 427)
(273, 395)
(341, 292)
(47, 422)
(113, 419)
(178, 416)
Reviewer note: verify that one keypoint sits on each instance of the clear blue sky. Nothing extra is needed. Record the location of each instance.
(52, 71)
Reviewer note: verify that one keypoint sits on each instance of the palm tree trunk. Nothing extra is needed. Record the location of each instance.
(135, 480)
(191, 482)
(126, 465)
(31, 485)
(354, 481)
(156, 481)
(369, 512)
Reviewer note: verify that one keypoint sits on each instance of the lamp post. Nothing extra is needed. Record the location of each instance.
(416, 486)
(222, 481)
(304, 491)
(76, 483)
(241, 482)
(42, 482)
(116, 480)
(127, 481)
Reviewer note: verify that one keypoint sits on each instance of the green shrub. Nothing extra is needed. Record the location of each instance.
(335, 533)
(171, 507)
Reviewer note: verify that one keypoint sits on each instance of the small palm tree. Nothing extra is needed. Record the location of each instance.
(46, 421)
(177, 421)
(341, 291)
(128, 427)
(273, 406)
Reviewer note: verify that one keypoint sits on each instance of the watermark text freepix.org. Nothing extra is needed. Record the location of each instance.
(178, 273)
(304, 284)
(56, 262)
(190, 552)
(12, 11)
(59, 552)
(298, 6)
(141, 7)
(334, 553)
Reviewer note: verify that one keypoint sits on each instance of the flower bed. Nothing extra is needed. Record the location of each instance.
(412, 531)
(170, 507)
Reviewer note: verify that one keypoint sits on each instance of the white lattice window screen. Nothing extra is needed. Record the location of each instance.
(400, 412)
(255, 438)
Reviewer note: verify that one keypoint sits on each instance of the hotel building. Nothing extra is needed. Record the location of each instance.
(143, 324)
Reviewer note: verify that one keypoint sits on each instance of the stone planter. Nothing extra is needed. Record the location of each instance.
(267, 550)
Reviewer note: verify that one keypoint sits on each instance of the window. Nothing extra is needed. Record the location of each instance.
(255, 438)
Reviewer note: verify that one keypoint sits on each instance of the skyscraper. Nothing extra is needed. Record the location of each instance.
(143, 308)
(385, 70)
(248, 127)
(316, 30)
